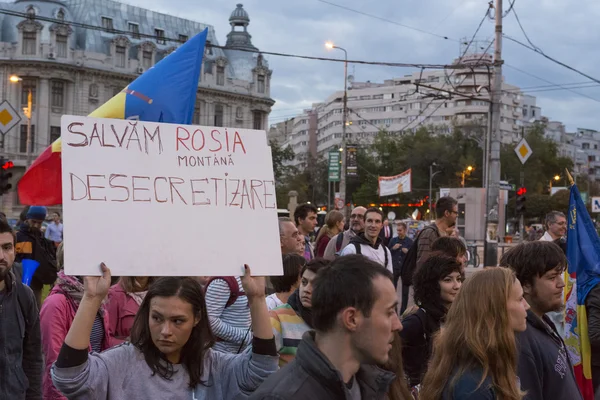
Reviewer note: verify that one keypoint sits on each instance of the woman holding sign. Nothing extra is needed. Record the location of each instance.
(170, 352)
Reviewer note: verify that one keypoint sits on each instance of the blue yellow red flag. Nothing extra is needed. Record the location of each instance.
(583, 255)
(164, 93)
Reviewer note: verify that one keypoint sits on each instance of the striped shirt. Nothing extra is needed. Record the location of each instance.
(288, 328)
(97, 335)
(229, 325)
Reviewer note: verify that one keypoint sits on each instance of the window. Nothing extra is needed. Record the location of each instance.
(107, 24)
(23, 139)
(196, 117)
(28, 84)
(261, 84)
(184, 38)
(218, 120)
(257, 117)
(58, 95)
(29, 43)
(61, 46)
(147, 59)
(221, 76)
(135, 30)
(208, 48)
(533, 113)
(160, 36)
(120, 56)
(60, 15)
(585, 146)
(54, 133)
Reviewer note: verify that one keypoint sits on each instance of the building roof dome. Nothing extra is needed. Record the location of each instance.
(239, 16)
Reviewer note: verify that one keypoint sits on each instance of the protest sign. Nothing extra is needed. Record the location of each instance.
(391, 185)
(155, 199)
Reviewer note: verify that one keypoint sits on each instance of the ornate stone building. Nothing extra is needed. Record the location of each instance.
(75, 68)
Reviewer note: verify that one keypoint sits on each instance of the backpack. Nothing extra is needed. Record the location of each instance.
(234, 288)
(409, 265)
(385, 251)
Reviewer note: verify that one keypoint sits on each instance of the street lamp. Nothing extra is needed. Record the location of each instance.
(556, 178)
(431, 175)
(342, 187)
(27, 112)
(467, 171)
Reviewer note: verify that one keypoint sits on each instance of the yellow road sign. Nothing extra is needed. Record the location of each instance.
(523, 150)
(9, 117)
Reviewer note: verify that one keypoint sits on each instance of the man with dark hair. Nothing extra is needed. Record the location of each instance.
(305, 217)
(20, 339)
(32, 245)
(369, 243)
(446, 212)
(292, 242)
(451, 247)
(545, 369)
(399, 246)
(54, 230)
(341, 240)
(354, 319)
(286, 284)
(291, 320)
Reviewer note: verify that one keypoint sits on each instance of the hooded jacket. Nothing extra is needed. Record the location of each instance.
(312, 376)
(376, 252)
(21, 356)
(56, 317)
(545, 369)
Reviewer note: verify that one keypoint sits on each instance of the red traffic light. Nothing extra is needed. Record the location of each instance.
(521, 191)
(8, 165)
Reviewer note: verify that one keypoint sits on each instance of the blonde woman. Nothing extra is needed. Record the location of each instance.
(475, 355)
(334, 224)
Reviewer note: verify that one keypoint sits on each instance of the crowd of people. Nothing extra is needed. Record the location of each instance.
(358, 313)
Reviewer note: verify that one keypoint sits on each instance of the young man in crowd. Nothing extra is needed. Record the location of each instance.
(399, 246)
(446, 212)
(305, 217)
(20, 340)
(545, 369)
(341, 240)
(354, 318)
(369, 243)
(32, 245)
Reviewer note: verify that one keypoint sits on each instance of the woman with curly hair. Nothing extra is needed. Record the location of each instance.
(475, 355)
(436, 284)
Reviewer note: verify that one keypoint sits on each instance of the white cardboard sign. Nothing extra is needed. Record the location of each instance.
(155, 199)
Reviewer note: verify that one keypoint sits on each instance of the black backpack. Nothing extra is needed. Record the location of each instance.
(409, 265)
(385, 251)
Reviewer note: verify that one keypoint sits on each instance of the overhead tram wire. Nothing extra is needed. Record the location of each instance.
(277, 54)
(547, 81)
(536, 49)
(388, 20)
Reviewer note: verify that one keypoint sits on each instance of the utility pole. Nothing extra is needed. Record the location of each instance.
(493, 188)
(344, 148)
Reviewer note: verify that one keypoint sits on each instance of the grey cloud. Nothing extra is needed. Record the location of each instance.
(563, 30)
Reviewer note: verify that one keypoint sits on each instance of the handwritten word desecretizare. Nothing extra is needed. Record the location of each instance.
(213, 191)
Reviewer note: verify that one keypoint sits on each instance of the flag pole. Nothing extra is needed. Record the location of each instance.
(571, 182)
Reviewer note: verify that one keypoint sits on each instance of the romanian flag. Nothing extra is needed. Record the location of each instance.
(583, 254)
(164, 93)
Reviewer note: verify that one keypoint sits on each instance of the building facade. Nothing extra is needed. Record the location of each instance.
(407, 103)
(72, 69)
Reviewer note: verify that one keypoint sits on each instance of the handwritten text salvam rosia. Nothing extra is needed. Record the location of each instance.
(194, 148)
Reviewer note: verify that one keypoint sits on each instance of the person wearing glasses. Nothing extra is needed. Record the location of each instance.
(556, 226)
(342, 239)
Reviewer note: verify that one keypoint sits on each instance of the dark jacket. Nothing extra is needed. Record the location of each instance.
(417, 341)
(545, 369)
(398, 255)
(311, 376)
(32, 245)
(20, 343)
(467, 387)
(592, 306)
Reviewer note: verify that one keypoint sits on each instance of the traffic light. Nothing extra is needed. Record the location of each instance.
(521, 200)
(5, 175)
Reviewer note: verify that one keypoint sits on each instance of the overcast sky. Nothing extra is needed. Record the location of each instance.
(562, 29)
